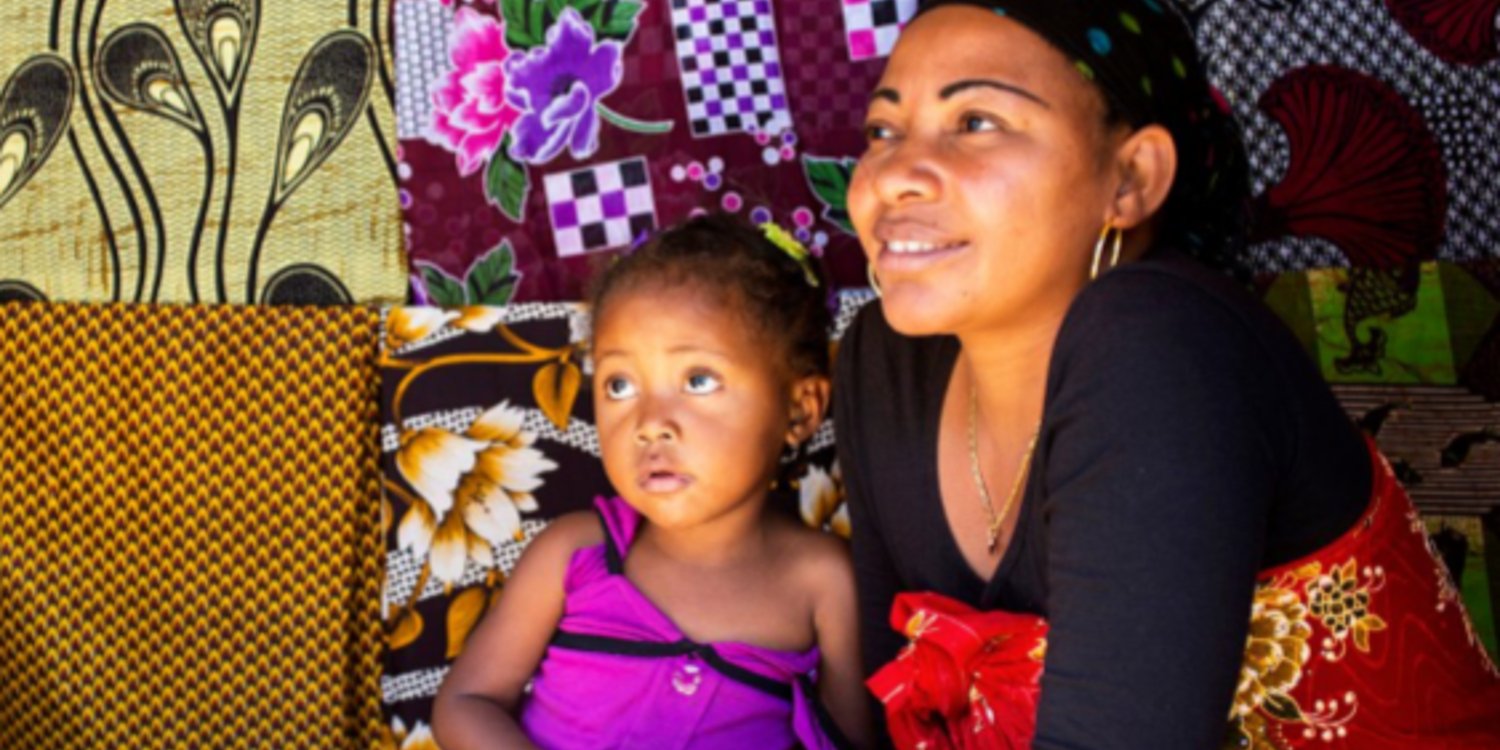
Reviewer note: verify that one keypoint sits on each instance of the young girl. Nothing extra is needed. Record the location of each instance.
(684, 614)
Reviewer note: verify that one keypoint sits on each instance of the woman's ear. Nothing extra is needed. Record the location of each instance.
(809, 402)
(1147, 161)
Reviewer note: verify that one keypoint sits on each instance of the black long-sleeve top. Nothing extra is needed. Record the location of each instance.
(1187, 442)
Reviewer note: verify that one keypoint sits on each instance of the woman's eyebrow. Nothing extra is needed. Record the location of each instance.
(971, 83)
(889, 94)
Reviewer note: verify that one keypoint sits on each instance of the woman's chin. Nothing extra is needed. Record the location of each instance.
(912, 312)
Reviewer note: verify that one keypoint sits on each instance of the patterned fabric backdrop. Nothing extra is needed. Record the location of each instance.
(189, 538)
(198, 150)
(487, 434)
(535, 135)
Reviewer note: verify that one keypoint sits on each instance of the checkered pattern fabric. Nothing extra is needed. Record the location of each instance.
(731, 68)
(829, 92)
(189, 535)
(872, 26)
(600, 206)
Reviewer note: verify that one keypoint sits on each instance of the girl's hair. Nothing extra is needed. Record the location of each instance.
(733, 261)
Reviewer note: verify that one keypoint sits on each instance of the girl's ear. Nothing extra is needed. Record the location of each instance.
(809, 401)
(1147, 161)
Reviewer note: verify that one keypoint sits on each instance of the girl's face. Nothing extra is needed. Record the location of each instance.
(984, 183)
(692, 408)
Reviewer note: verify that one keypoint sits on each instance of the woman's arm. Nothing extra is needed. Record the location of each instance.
(875, 575)
(476, 707)
(1165, 431)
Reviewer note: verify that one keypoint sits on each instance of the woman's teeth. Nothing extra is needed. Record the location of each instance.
(912, 246)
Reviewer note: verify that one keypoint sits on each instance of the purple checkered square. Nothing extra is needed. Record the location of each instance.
(730, 66)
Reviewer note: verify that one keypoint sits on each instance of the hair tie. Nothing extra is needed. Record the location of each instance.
(793, 249)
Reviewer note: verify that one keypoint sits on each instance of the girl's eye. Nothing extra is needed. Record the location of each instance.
(617, 388)
(972, 123)
(702, 383)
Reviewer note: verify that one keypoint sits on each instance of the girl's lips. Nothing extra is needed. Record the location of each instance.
(663, 482)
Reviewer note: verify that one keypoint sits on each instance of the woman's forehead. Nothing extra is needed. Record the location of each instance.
(956, 43)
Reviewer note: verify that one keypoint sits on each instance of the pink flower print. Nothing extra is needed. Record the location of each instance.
(472, 115)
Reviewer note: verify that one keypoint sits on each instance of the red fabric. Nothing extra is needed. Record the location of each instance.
(969, 679)
(1365, 644)
(1362, 645)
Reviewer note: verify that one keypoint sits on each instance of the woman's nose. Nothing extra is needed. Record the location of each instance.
(905, 172)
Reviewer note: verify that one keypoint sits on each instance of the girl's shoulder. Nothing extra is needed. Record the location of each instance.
(814, 561)
(565, 535)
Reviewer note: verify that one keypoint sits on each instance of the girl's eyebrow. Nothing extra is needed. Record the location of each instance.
(972, 83)
(696, 349)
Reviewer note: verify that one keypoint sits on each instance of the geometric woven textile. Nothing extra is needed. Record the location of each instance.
(189, 527)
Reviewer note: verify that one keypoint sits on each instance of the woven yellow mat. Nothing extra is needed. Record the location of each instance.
(189, 527)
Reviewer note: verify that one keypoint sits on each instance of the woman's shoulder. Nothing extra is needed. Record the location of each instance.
(1168, 301)
(874, 358)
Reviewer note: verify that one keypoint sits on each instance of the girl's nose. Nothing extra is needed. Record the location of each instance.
(655, 425)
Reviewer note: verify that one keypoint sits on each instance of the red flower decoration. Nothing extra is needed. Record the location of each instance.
(969, 680)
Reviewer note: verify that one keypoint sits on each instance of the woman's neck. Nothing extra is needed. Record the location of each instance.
(1007, 369)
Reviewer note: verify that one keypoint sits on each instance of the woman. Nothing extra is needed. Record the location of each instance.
(1063, 410)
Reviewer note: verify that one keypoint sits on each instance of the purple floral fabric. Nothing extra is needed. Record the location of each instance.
(558, 88)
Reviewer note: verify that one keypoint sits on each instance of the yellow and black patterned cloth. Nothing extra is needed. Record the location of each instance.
(189, 527)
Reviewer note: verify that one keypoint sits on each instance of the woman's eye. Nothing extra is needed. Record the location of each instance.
(702, 383)
(617, 388)
(874, 132)
(977, 124)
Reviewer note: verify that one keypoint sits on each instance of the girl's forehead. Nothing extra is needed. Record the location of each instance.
(651, 311)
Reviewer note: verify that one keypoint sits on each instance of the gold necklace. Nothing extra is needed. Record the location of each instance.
(984, 493)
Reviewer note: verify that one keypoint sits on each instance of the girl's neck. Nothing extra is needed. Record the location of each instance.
(725, 542)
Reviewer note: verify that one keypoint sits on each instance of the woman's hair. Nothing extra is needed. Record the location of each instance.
(737, 264)
(1141, 57)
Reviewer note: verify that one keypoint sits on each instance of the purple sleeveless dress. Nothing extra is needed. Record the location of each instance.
(619, 674)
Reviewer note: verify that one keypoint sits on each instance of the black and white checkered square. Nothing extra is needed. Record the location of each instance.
(731, 66)
(600, 206)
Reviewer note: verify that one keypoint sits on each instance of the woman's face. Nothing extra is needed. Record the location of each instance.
(987, 175)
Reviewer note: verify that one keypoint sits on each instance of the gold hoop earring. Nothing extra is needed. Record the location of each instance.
(874, 281)
(1114, 256)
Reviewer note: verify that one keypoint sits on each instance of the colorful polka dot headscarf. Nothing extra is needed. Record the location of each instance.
(1141, 55)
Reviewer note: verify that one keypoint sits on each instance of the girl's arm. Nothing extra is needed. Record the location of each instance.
(841, 687)
(476, 708)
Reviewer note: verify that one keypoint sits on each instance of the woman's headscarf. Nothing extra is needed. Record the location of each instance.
(1141, 55)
